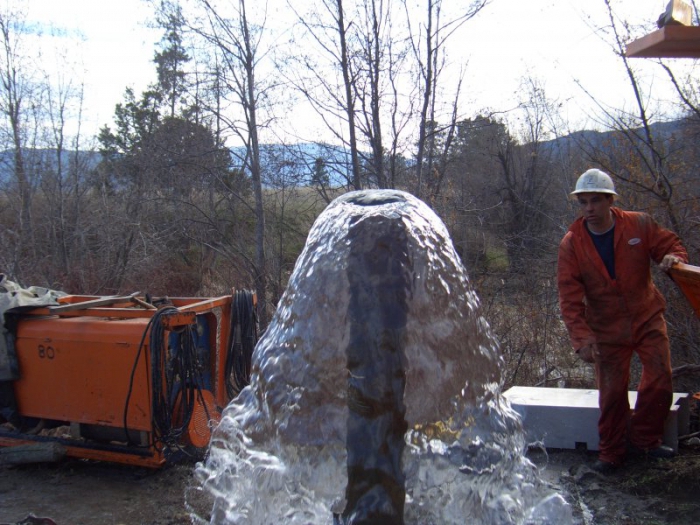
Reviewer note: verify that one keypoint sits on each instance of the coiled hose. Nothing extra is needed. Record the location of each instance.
(244, 335)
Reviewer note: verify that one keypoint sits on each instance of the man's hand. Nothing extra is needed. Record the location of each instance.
(668, 261)
(588, 353)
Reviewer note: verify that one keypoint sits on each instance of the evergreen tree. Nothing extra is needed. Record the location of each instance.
(170, 62)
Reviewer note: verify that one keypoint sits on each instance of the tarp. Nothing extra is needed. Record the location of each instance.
(12, 296)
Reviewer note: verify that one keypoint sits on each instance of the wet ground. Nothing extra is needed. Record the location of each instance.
(79, 492)
(644, 491)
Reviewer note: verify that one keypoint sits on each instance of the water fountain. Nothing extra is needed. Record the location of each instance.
(375, 391)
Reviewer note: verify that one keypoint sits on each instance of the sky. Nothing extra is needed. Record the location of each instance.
(554, 41)
(558, 42)
(111, 46)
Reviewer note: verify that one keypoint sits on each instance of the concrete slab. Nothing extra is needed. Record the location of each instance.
(568, 417)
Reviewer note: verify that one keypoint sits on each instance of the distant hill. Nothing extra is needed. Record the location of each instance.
(43, 160)
(301, 164)
(306, 163)
(662, 131)
(296, 164)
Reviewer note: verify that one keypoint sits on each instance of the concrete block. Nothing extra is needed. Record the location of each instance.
(568, 417)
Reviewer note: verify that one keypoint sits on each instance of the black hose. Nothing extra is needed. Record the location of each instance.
(131, 380)
(244, 335)
(175, 371)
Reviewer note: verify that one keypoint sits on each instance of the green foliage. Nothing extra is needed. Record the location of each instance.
(321, 176)
(172, 79)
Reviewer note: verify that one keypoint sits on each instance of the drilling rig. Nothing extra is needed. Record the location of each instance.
(128, 379)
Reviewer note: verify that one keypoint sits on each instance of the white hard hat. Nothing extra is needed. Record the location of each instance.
(594, 181)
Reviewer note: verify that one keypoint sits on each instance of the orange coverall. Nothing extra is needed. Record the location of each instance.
(621, 316)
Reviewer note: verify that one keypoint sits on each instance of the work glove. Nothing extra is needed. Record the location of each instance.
(668, 261)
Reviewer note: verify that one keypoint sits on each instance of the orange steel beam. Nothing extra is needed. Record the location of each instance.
(170, 321)
(671, 41)
(194, 304)
(219, 379)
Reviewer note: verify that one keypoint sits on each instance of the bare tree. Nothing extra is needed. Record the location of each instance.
(17, 95)
(313, 76)
(63, 182)
(349, 98)
(237, 41)
(429, 50)
(357, 73)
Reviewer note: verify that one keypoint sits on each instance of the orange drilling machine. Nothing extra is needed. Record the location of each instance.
(125, 379)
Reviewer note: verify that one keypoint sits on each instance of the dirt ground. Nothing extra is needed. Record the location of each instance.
(79, 492)
(644, 491)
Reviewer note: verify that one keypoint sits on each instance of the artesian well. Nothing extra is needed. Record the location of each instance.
(375, 393)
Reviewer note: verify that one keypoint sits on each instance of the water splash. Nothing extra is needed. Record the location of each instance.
(375, 391)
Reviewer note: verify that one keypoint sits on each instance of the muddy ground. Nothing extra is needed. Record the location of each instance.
(79, 492)
(642, 492)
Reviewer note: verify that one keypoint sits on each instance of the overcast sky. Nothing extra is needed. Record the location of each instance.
(558, 41)
(553, 40)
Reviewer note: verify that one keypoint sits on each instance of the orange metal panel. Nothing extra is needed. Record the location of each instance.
(79, 369)
(219, 373)
(687, 277)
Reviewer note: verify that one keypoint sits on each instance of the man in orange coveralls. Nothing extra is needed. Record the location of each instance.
(611, 309)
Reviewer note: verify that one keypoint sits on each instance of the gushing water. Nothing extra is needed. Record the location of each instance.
(375, 391)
